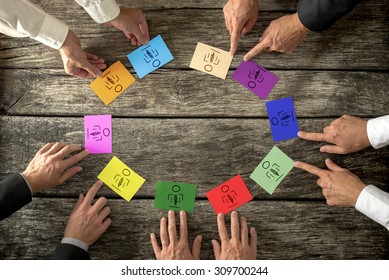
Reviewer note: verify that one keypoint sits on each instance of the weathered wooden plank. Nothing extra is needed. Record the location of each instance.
(265, 5)
(191, 93)
(206, 152)
(286, 230)
(350, 44)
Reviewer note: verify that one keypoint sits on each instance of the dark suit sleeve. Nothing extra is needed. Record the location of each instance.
(14, 194)
(318, 15)
(65, 251)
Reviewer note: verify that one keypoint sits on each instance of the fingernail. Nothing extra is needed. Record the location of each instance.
(299, 134)
(79, 169)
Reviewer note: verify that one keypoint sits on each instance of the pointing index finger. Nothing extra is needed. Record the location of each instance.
(310, 168)
(92, 192)
(312, 136)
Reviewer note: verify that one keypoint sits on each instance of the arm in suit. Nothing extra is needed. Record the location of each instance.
(14, 194)
(65, 251)
(318, 15)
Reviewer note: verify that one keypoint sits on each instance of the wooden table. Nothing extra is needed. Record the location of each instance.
(178, 124)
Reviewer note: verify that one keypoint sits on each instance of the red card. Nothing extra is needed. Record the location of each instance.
(229, 195)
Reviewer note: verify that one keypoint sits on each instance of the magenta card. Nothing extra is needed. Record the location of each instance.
(255, 77)
(229, 195)
(98, 134)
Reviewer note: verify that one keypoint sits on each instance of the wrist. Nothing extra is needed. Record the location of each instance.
(31, 182)
(299, 24)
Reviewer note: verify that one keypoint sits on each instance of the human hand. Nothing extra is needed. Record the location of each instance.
(283, 35)
(238, 247)
(340, 187)
(51, 165)
(176, 249)
(133, 24)
(77, 62)
(240, 17)
(348, 134)
(88, 222)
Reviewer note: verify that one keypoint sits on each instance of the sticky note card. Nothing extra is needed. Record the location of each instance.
(114, 80)
(229, 195)
(175, 196)
(211, 60)
(282, 118)
(150, 57)
(255, 77)
(272, 170)
(98, 134)
(121, 179)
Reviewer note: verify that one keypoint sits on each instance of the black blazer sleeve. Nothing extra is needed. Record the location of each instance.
(65, 251)
(14, 194)
(318, 15)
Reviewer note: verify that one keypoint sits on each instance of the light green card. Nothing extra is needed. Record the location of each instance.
(175, 196)
(272, 170)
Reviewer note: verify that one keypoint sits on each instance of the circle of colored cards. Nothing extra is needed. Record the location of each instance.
(177, 195)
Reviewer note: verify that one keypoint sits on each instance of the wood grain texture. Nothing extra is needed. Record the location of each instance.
(365, 29)
(206, 152)
(178, 124)
(286, 230)
(191, 93)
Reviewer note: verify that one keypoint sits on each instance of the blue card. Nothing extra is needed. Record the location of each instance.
(150, 57)
(282, 117)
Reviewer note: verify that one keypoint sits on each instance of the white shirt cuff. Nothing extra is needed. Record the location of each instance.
(374, 203)
(378, 131)
(100, 11)
(75, 242)
(53, 32)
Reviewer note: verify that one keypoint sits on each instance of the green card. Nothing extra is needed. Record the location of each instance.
(175, 196)
(272, 170)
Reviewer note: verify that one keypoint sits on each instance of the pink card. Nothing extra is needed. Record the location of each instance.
(229, 195)
(98, 134)
(255, 77)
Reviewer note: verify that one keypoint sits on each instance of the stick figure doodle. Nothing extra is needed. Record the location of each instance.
(175, 198)
(283, 117)
(212, 58)
(111, 81)
(230, 197)
(274, 171)
(256, 75)
(120, 179)
(150, 55)
(96, 133)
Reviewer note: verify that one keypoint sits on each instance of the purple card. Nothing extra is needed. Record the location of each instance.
(98, 134)
(282, 118)
(255, 77)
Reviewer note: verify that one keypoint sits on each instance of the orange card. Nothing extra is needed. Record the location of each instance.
(114, 80)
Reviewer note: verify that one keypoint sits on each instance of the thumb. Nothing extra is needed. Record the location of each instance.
(141, 37)
(90, 68)
(333, 166)
(216, 249)
(196, 247)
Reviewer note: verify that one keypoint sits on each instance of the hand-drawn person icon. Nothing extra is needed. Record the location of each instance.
(230, 197)
(256, 76)
(121, 180)
(96, 133)
(175, 198)
(274, 172)
(211, 58)
(111, 81)
(284, 117)
(150, 55)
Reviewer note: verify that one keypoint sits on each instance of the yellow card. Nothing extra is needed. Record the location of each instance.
(114, 80)
(121, 179)
(211, 60)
